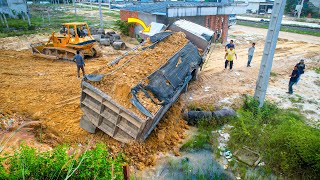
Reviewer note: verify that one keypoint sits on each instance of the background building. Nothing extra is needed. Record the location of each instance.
(13, 7)
(212, 15)
(260, 6)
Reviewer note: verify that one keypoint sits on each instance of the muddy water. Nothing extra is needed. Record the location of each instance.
(191, 165)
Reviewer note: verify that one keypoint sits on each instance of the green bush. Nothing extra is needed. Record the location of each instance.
(123, 26)
(29, 163)
(286, 143)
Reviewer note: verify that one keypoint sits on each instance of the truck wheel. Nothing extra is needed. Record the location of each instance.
(195, 74)
(185, 89)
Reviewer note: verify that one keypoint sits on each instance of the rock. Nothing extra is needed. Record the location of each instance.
(97, 37)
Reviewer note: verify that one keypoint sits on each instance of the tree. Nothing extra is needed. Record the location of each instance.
(290, 6)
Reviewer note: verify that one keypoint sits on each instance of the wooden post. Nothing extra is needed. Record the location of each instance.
(126, 172)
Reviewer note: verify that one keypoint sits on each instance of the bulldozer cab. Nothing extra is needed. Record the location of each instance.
(64, 45)
(72, 33)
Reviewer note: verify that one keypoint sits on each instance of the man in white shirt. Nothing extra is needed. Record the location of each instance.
(250, 54)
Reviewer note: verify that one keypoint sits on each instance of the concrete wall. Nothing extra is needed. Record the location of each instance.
(254, 7)
(147, 19)
(195, 19)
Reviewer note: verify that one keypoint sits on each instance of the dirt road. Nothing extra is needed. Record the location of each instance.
(283, 35)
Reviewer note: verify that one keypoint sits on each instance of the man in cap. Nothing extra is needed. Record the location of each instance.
(301, 66)
(293, 79)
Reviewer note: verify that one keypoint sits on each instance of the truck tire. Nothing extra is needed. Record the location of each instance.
(195, 74)
(185, 89)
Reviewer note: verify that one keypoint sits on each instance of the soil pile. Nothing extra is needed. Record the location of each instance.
(134, 68)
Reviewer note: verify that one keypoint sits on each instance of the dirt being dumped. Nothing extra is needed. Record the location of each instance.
(49, 92)
(165, 137)
(136, 67)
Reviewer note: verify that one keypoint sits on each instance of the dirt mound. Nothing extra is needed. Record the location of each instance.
(135, 67)
(22, 42)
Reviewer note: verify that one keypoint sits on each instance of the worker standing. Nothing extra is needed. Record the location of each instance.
(80, 63)
(229, 45)
(250, 54)
(301, 66)
(293, 79)
(229, 57)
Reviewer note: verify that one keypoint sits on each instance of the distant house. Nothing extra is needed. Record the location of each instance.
(213, 15)
(260, 6)
(13, 7)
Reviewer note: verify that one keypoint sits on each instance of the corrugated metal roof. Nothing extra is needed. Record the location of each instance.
(161, 7)
(155, 28)
(195, 29)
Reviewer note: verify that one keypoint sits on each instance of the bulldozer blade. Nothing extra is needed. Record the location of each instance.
(94, 77)
(46, 56)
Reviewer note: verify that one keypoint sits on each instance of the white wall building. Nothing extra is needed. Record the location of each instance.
(260, 6)
(13, 7)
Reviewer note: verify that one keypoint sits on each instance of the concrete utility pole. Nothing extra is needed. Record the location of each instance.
(268, 52)
(75, 8)
(299, 12)
(100, 12)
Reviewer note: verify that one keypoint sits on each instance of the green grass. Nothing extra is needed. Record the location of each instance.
(29, 163)
(273, 74)
(286, 143)
(317, 70)
(285, 29)
(296, 99)
(202, 140)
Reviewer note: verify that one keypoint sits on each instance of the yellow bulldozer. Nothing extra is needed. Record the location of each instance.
(64, 45)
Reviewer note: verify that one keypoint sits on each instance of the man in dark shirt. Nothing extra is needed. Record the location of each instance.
(294, 77)
(229, 45)
(301, 66)
(80, 63)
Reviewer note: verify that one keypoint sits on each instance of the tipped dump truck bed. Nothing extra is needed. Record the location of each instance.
(136, 113)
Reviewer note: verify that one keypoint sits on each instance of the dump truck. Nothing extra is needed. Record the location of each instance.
(64, 45)
(150, 96)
